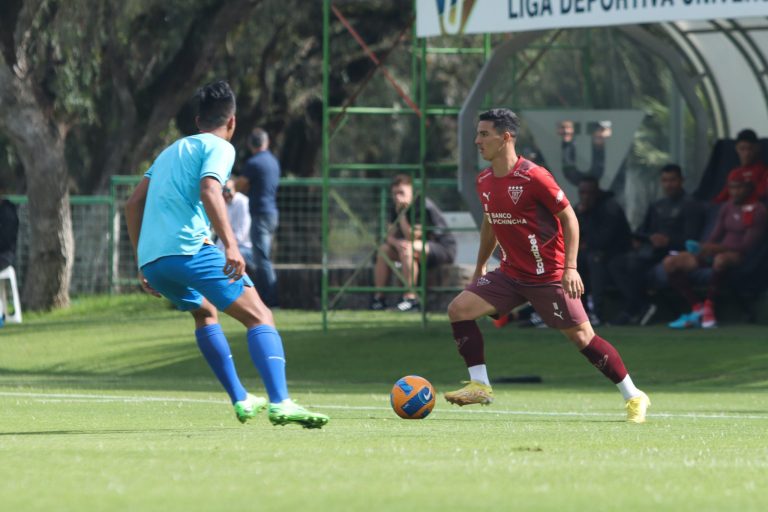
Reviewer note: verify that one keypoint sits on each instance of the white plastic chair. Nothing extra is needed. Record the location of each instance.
(10, 274)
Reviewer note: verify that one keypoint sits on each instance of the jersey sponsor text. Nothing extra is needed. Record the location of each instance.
(536, 254)
(504, 218)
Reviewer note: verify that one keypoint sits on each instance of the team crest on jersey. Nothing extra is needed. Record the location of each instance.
(515, 191)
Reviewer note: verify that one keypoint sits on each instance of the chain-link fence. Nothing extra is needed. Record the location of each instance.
(357, 220)
(93, 243)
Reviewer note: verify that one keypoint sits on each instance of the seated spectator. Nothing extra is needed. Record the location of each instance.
(605, 234)
(404, 243)
(240, 219)
(741, 225)
(751, 167)
(668, 223)
(9, 231)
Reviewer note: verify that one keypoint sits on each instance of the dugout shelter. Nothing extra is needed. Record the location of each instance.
(715, 52)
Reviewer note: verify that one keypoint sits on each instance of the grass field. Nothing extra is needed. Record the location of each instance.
(108, 406)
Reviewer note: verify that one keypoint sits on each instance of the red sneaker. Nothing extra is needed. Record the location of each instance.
(501, 321)
(708, 320)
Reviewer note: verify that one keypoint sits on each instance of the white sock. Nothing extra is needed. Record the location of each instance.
(627, 388)
(478, 373)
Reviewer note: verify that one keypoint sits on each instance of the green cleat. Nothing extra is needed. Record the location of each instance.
(291, 412)
(250, 407)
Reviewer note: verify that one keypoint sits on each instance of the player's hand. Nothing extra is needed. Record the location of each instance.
(479, 272)
(235, 266)
(572, 283)
(145, 285)
(403, 246)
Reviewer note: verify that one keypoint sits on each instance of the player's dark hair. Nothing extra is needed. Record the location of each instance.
(747, 135)
(258, 138)
(672, 168)
(216, 104)
(401, 179)
(504, 120)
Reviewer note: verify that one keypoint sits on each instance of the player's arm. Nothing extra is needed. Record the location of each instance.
(405, 224)
(216, 208)
(572, 283)
(134, 213)
(487, 245)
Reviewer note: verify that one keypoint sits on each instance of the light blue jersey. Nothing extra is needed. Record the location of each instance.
(175, 222)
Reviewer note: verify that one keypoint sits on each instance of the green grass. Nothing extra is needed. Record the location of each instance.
(108, 406)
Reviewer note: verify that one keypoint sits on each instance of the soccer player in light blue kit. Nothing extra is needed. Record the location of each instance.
(168, 223)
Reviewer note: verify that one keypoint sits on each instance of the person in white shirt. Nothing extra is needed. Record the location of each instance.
(240, 219)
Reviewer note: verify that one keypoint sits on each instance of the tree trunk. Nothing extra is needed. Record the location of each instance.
(39, 142)
(52, 245)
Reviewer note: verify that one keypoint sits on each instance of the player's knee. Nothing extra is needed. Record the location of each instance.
(722, 263)
(669, 264)
(206, 313)
(257, 316)
(457, 310)
(581, 335)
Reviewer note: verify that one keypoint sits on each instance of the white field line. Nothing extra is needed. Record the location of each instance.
(93, 398)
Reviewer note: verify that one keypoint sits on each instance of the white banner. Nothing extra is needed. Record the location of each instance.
(448, 17)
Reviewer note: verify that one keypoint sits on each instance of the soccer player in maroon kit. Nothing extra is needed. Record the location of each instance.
(526, 212)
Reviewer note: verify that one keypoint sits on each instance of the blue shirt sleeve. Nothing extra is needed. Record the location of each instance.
(218, 161)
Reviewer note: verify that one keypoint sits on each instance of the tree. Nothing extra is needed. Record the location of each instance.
(108, 75)
(38, 136)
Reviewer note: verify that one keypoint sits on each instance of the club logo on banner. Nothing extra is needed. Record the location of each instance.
(584, 143)
(453, 18)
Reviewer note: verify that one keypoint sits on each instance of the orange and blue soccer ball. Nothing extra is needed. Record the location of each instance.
(412, 397)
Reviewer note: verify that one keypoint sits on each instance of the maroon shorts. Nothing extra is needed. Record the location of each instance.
(549, 300)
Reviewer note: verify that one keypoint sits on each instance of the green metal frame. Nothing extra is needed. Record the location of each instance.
(419, 53)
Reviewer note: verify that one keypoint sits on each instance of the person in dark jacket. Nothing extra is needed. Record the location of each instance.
(260, 180)
(605, 235)
(668, 223)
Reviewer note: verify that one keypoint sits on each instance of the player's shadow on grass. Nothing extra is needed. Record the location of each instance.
(99, 432)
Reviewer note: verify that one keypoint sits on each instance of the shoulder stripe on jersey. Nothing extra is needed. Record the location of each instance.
(484, 174)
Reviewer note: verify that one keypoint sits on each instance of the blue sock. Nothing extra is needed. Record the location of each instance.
(213, 344)
(267, 354)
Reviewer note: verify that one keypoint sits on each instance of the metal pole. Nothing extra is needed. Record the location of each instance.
(114, 237)
(324, 163)
(423, 177)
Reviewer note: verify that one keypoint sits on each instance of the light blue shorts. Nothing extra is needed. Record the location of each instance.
(185, 280)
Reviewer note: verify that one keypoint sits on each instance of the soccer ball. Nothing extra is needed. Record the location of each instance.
(412, 397)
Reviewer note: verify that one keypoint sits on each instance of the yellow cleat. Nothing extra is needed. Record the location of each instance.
(637, 407)
(473, 393)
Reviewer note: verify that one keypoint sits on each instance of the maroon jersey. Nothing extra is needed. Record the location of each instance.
(521, 209)
(739, 227)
